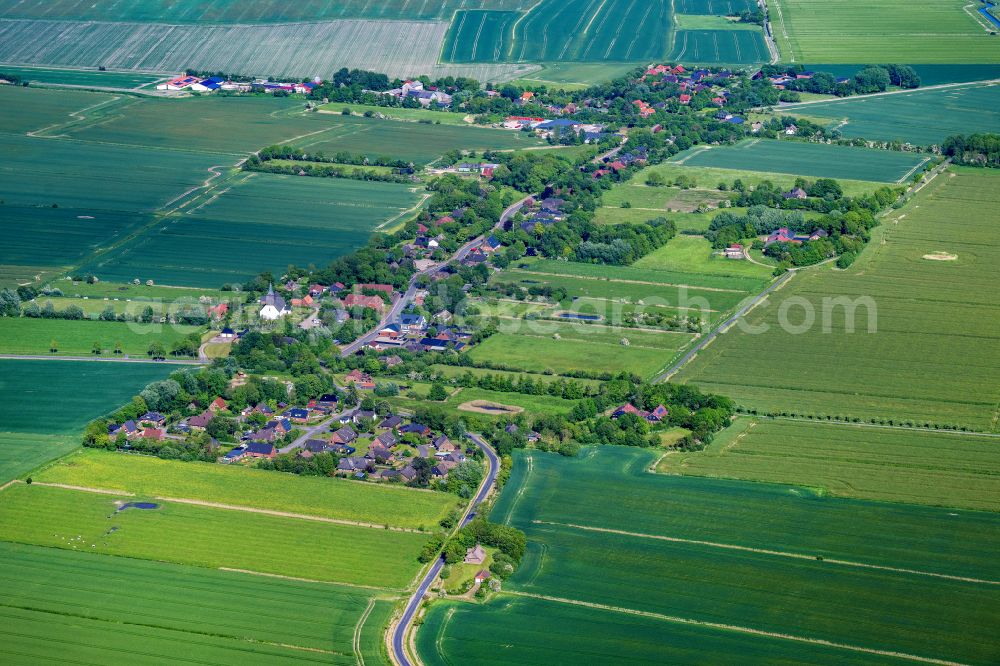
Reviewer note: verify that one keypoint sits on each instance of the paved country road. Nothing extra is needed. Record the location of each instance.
(399, 631)
(403, 301)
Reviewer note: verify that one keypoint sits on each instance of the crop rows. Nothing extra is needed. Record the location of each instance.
(852, 461)
(930, 359)
(714, 7)
(807, 159)
(209, 537)
(921, 117)
(736, 47)
(399, 48)
(100, 604)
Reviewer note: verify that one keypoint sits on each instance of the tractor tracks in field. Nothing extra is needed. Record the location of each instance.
(763, 633)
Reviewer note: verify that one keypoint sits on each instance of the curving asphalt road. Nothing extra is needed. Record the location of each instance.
(400, 630)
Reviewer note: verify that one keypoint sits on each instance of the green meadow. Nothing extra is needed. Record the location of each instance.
(805, 159)
(865, 462)
(209, 537)
(28, 336)
(695, 253)
(84, 77)
(337, 499)
(746, 560)
(922, 328)
(104, 608)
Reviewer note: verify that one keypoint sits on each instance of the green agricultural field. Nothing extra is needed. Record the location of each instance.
(921, 117)
(694, 253)
(239, 486)
(44, 405)
(481, 36)
(262, 221)
(532, 404)
(76, 338)
(84, 77)
(926, 283)
(451, 371)
(128, 292)
(574, 75)
(244, 11)
(737, 47)
(716, 7)
(542, 354)
(30, 109)
(57, 601)
(806, 159)
(21, 452)
(209, 537)
(921, 31)
(509, 630)
(854, 461)
(58, 397)
(740, 556)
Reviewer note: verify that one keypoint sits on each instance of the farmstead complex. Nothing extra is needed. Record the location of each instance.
(512, 332)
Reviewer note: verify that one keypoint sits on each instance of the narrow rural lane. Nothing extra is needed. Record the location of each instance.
(310, 432)
(669, 372)
(401, 628)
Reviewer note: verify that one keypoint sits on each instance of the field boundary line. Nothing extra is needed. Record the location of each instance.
(737, 628)
(357, 631)
(284, 514)
(776, 553)
(913, 170)
(881, 426)
(85, 489)
(860, 98)
(305, 580)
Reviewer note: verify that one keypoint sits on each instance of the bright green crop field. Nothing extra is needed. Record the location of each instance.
(209, 537)
(77, 337)
(806, 159)
(945, 469)
(922, 117)
(915, 31)
(262, 221)
(103, 609)
(738, 557)
(738, 47)
(239, 486)
(20, 452)
(84, 77)
(925, 284)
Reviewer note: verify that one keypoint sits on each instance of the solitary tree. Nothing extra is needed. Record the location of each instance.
(96, 348)
(53, 347)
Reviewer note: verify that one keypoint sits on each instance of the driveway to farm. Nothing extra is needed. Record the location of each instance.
(401, 628)
(403, 301)
(102, 359)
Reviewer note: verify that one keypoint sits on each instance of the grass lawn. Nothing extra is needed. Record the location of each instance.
(462, 573)
(230, 484)
(207, 537)
(853, 461)
(695, 254)
(532, 404)
(76, 338)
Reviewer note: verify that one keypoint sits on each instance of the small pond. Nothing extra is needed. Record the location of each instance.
(138, 505)
(578, 316)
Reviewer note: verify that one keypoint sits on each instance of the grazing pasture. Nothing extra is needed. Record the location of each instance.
(736, 47)
(209, 537)
(337, 499)
(29, 336)
(398, 48)
(742, 557)
(261, 221)
(917, 31)
(944, 469)
(922, 117)
(805, 159)
(56, 600)
(930, 358)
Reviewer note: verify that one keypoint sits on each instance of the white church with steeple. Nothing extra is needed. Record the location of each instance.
(273, 305)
